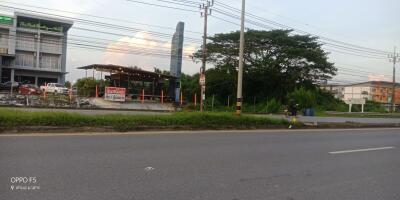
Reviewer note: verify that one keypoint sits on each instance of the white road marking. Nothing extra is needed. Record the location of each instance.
(361, 150)
(147, 169)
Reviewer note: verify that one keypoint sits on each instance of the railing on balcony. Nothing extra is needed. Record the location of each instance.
(51, 44)
(25, 43)
(51, 48)
(50, 62)
(3, 42)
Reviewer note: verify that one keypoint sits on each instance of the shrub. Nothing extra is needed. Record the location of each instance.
(305, 98)
(371, 106)
(273, 106)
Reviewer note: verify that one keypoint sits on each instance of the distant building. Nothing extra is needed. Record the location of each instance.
(177, 50)
(377, 91)
(176, 60)
(33, 48)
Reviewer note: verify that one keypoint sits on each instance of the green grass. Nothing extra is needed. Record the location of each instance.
(14, 119)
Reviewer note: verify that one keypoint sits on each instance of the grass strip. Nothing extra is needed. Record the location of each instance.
(12, 119)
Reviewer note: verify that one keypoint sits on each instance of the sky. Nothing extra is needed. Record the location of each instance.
(368, 23)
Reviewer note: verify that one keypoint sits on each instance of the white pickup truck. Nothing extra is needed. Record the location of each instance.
(54, 88)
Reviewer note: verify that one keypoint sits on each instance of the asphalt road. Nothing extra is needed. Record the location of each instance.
(382, 120)
(247, 165)
(364, 120)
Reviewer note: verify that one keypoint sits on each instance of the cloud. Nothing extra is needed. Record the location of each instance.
(374, 77)
(142, 50)
(189, 50)
(130, 51)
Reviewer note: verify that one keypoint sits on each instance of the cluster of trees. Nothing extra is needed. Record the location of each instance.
(278, 65)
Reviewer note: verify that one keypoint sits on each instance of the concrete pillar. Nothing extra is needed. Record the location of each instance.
(36, 81)
(12, 75)
(38, 50)
(362, 108)
(12, 39)
(350, 105)
(61, 79)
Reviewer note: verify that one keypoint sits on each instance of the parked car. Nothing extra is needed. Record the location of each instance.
(54, 88)
(29, 89)
(6, 86)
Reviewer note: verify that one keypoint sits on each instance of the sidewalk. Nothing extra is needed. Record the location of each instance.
(307, 119)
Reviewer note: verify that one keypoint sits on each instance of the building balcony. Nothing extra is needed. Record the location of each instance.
(25, 45)
(4, 43)
(49, 69)
(51, 48)
(54, 67)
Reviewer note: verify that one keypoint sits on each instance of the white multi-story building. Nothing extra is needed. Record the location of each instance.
(377, 91)
(358, 91)
(33, 48)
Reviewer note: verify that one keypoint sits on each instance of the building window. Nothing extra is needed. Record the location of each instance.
(25, 41)
(6, 61)
(3, 39)
(24, 59)
(51, 44)
(49, 61)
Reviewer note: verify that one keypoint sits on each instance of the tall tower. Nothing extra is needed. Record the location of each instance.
(176, 60)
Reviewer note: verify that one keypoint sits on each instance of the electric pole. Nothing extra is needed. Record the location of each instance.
(241, 62)
(394, 58)
(205, 7)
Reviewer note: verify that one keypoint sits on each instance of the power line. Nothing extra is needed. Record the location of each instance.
(352, 51)
(100, 17)
(98, 46)
(178, 3)
(353, 54)
(163, 6)
(298, 30)
(102, 24)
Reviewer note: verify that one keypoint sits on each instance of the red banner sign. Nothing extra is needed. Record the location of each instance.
(115, 94)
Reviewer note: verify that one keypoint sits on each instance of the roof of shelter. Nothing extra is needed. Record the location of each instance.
(117, 69)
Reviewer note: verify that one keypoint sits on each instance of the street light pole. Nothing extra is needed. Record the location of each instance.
(241, 60)
(207, 11)
(394, 58)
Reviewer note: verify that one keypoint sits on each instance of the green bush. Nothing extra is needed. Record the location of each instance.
(305, 98)
(87, 86)
(371, 106)
(273, 106)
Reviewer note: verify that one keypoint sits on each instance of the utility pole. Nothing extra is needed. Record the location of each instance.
(205, 7)
(394, 58)
(241, 60)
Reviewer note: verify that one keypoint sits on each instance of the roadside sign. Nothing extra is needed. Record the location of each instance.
(202, 79)
(360, 101)
(115, 94)
(355, 101)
